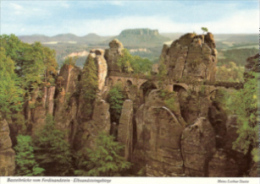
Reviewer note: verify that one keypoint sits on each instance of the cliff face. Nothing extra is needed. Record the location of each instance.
(159, 130)
(7, 154)
(40, 105)
(65, 114)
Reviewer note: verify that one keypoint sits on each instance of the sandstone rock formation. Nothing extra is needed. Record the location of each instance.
(158, 139)
(112, 54)
(41, 104)
(88, 131)
(191, 58)
(198, 146)
(191, 136)
(125, 128)
(222, 166)
(194, 102)
(7, 154)
(66, 100)
(98, 55)
(218, 120)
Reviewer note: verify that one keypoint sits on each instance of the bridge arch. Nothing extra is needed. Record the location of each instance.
(177, 87)
(119, 82)
(147, 87)
(129, 83)
(109, 82)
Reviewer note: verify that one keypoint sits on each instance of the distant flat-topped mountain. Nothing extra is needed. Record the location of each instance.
(141, 37)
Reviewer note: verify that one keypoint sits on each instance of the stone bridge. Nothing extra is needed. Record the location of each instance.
(127, 80)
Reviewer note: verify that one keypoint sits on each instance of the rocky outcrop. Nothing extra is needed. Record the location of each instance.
(112, 54)
(101, 63)
(218, 120)
(125, 128)
(66, 100)
(7, 154)
(194, 102)
(41, 104)
(198, 146)
(88, 131)
(192, 57)
(158, 149)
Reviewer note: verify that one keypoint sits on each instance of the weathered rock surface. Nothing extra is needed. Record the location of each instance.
(191, 58)
(194, 102)
(159, 131)
(112, 54)
(198, 146)
(218, 119)
(98, 55)
(222, 166)
(88, 131)
(235, 153)
(67, 102)
(7, 154)
(40, 106)
(125, 128)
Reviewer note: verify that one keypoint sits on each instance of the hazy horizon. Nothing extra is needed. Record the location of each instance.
(109, 18)
(38, 34)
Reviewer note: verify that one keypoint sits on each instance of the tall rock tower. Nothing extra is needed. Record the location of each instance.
(191, 57)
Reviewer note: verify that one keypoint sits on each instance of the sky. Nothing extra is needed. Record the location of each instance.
(107, 17)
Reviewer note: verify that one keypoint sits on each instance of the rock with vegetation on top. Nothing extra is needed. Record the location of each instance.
(40, 105)
(101, 63)
(112, 54)
(66, 101)
(192, 57)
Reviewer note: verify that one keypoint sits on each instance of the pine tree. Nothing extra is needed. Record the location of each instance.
(124, 62)
(133, 64)
(104, 160)
(162, 70)
(25, 160)
(244, 103)
(89, 84)
(115, 100)
(51, 65)
(52, 152)
(34, 64)
(11, 95)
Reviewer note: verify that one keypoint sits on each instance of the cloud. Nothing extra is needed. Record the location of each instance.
(240, 22)
(16, 6)
(65, 5)
(111, 17)
(117, 3)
